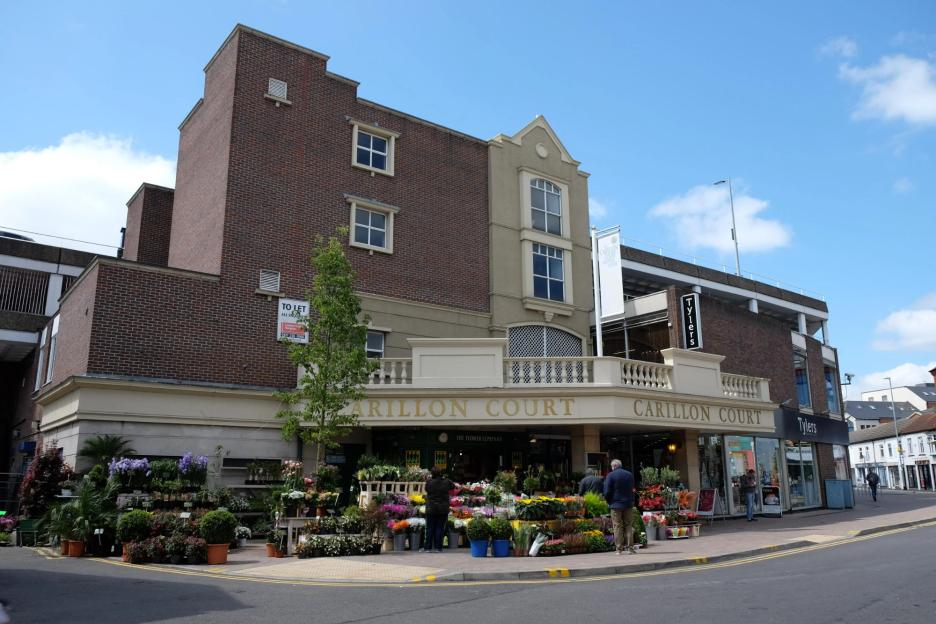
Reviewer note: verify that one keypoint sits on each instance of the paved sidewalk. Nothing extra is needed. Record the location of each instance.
(720, 540)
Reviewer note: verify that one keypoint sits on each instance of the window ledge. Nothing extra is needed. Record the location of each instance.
(384, 250)
(277, 99)
(545, 305)
(358, 165)
(269, 293)
(545, 238)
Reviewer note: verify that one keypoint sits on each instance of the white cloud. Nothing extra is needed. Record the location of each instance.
(76, 189)
(596, 209)
(897, 87)
(843, 47)
(701, 218)
(906, 374)
(903, 185)
(910, 328)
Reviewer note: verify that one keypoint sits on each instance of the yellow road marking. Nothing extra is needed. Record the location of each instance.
(554, 572)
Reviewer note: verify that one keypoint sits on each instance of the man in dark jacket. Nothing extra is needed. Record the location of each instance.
(591, 483)
(872, 480)
(437, 509)
(619, 492)
(749, 491)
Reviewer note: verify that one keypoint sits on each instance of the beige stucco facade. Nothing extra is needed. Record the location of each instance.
(514, 161)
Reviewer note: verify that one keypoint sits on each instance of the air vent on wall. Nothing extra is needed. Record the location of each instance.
(269, 280)
(277, 88)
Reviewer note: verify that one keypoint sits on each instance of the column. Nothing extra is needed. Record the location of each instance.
(585, 439)
(752, 306)
(691, 446)
(825, 332)
(801, 323)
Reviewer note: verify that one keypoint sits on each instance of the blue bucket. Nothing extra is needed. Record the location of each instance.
(479, 548)
(500, 548)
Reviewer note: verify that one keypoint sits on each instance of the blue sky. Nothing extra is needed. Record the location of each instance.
(824, 114)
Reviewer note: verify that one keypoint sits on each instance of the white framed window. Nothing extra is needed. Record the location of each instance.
(548, 273)
(52, 340)
(373, 148)
(40, 368)
(371, 224)
(375, 344)
(546, 206)
(276, 91)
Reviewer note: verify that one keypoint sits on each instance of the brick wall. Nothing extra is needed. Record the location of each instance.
(291, 166)
(753, 344)
(202, 169)
(76, 319)
(149, 223)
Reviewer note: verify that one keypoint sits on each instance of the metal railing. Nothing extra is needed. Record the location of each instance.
(23, 290)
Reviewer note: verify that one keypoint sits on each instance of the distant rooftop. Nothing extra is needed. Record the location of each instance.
(876, 410)
(918, 423)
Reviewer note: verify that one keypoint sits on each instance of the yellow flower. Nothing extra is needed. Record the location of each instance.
(417, 499)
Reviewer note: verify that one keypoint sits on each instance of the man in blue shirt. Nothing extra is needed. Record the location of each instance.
(619, 492)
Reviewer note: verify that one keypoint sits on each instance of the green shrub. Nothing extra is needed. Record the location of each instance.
(478, 530)
(96, 477)
(135, 526)
(175, 545)
(531, 484)
(595, 505)
(217, 527)
(506, 480)
(4, 538)
(501, 529)
(164, 470)
(196, 550)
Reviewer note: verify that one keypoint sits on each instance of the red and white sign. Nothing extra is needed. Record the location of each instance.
(289, 326)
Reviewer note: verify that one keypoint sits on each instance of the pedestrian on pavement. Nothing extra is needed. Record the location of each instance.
(748, 489)
(872, 479)
(591, 483)
(619, 492)
(437, 509)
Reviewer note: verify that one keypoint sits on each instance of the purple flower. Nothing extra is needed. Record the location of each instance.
(190, 464)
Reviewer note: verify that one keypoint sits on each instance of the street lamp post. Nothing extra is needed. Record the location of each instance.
(734, 228)
(902, 472)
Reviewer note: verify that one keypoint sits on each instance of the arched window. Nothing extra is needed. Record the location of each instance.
(542, 341)
(546, 206)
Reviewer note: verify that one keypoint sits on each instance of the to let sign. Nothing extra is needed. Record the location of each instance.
(289, 325)
(691, 321)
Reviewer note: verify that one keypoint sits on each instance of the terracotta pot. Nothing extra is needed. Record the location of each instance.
(271, 549)
(75, 548)
(217, 554)
(279, 554)
(63, 545)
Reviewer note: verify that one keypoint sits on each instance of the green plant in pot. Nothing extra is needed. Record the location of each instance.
(60, 520)
(217, 528)
(501, 533)
(175, 548)
(478, 532)
(531, 484)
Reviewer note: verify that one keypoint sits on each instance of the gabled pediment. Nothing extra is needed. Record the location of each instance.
(539, 122)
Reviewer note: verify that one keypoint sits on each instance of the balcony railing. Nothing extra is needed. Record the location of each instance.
(547, 371)
(740, 387)
(22, 290)
(393, 372)
(637, 374)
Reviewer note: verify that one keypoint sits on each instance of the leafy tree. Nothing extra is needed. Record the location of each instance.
(101, 449)
(334, 360)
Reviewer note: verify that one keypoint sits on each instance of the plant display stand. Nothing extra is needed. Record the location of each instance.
(370, 489)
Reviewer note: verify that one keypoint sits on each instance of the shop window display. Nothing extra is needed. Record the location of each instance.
(802, 473)
(740, 460)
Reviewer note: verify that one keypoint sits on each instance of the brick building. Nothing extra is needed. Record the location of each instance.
(473, 264)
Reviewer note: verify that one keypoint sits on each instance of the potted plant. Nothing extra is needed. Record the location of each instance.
(134, 526)
(399, 529)
(217, 529)
(175, 548)
(68, 488)
(416, 528)
(501, 532)
(242, 534)
(454, 533)
(478, 532)
(531, 484)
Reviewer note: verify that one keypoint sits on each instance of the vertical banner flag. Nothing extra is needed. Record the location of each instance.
(691, 321)
(289, 325)
(609, 272)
